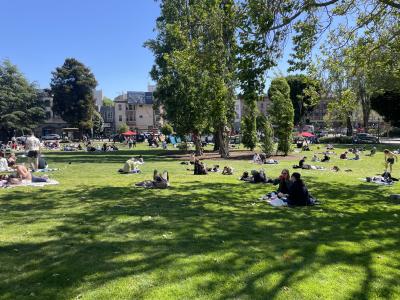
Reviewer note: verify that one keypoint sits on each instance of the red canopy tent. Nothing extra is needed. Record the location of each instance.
(129, 133)
(306, 134)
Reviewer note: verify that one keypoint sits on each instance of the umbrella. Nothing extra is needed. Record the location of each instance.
(306, 134)
(129, 133)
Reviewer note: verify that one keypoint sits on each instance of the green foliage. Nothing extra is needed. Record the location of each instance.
(387, 104)
(342, 108)
(167, 129)
(107, 102)
(282, 113)
(98, 123)
(194, 66)
(72, 85)
(20, 106)
(249, 133)
(304, 94)
(122, 128)
(267, 138)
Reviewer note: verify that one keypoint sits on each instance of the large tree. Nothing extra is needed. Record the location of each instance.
(304, 94)
(282, 113)
(194, 67)
(20, 106)
(72, 86)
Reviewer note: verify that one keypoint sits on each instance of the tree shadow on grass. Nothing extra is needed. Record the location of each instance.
(196, 229)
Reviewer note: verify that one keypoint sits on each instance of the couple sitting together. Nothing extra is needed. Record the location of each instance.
(292, 190)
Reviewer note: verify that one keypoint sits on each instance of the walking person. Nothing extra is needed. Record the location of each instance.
(32, 146)
(389, 159)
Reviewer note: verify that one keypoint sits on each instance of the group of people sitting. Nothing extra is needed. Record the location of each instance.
(19, 172)
(291, 189)
(109, 147)
(200, 168)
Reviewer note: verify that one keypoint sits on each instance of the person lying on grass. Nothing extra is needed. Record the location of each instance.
(214, 169)
(23, 175)
(304, 166)
(160, 181)
(298, 193)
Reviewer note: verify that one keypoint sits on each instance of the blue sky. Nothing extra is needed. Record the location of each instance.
(107, 36)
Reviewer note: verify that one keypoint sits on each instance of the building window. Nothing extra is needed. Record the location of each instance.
(140, 105)
(120, 108)
(130, 107)
(120, 118)
(141, 116)
(48, 115)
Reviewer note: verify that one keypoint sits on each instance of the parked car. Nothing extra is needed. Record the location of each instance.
(365, 138)
(52, 136)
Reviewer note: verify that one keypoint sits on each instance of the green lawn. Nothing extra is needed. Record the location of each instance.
(95, 236)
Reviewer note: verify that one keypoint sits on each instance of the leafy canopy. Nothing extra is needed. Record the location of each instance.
(20, 106)
(72, 86)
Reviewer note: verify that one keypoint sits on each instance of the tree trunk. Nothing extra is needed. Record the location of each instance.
(197, 143)
(223, 142)
(366, 109)
(216, 140)
(349, 126)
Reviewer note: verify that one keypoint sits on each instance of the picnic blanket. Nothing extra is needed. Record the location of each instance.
(273, 200)
(33, 184)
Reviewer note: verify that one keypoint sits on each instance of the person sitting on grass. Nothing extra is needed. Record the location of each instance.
(298, 193)
(246, 177)
(302, 164)
(227, 171)
(314, 158)
(130, 167)
(389, 159)
(343, 155)
(373, 151)
(160, 181)
(258, 176)
(326, 158)
(3, 163)
(199, 168)
(283, 181)
(23, 175)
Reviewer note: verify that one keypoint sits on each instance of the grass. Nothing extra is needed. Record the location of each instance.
(95, 236)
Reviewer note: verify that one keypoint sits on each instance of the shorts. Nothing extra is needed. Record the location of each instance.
(33, 154)
(390, 160)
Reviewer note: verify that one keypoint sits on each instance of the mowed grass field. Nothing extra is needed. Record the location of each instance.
(96, 236)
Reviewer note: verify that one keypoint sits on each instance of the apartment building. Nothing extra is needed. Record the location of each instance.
(136, 110)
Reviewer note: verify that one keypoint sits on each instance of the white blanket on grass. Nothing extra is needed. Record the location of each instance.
(35, 184)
